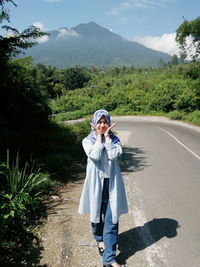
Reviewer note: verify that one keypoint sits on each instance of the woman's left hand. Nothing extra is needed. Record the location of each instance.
(109, 128)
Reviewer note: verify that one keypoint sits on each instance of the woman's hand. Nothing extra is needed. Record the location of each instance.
(106, 134)
(95, 128)
(98, 133)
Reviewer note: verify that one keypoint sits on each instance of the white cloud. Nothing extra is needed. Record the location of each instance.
(130, 4)
(43, 39)
(165, 43)
(41, 26)
(63, 32)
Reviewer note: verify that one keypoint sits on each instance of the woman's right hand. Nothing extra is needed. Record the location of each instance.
(98, 132)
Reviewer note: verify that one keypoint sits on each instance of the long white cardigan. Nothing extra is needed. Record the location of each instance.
(90, 201)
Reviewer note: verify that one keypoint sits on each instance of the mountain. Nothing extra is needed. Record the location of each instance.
(92, 45)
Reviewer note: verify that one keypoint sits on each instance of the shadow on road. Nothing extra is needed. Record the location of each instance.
(132, 159)
(141, 237)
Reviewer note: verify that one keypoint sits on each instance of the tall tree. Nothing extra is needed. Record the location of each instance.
(14, 42)
(188, 37)
(21, 101)
(74, 78)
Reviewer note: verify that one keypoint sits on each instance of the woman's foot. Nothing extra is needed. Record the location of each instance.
(101, 248)
(114, 264)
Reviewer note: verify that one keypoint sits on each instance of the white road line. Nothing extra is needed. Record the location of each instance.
(180, 143)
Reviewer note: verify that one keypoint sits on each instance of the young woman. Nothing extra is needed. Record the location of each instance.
(103, 195)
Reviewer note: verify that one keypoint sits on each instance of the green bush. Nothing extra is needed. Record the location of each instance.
(74, 78)
(187, 100)
(21, 196)
(191, 70)
(68, 116)
(193, 117)
(21, 99)
(27, 179)
(176, 115)
(60, 148)
(123, 110)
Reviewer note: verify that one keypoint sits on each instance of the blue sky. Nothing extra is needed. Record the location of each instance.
(150, 22)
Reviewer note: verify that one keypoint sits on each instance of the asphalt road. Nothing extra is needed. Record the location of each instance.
(162, 162)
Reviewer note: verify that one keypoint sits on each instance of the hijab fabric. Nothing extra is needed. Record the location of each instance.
(96, 117)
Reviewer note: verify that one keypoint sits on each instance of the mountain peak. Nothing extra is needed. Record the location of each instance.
(90, 24)
(91, 29)
(89, 44)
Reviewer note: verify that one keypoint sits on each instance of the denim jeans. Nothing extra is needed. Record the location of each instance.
(105, 231)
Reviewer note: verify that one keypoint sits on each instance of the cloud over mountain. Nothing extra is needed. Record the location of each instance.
(165, 43)
(41, 26)
(64, 32)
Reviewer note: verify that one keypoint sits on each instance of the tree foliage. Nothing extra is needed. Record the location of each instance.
(74, 78)
(134, 91)
(22, 104)
(49, 79)
(188, 37)
(14, 42)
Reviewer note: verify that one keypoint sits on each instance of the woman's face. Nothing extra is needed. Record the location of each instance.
(102, 125)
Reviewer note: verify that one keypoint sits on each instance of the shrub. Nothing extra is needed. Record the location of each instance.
(74, 78)
(191, 70)
(187, 101)
(20, 201)
(176, 115)
(27, 179)
(194, 117)
(165, 94)
(68, 116)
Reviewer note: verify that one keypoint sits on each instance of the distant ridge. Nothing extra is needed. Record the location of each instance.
(92, 45)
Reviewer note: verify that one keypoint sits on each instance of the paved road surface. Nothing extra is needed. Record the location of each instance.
(161, 161)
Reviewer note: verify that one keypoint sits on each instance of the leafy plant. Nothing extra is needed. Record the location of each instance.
(25, 180)
(20, 198)
(176, 115)
(22, 191)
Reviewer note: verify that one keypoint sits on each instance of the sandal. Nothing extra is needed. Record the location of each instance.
(101, 250)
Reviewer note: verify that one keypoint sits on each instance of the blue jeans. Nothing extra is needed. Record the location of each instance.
(105, 231)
